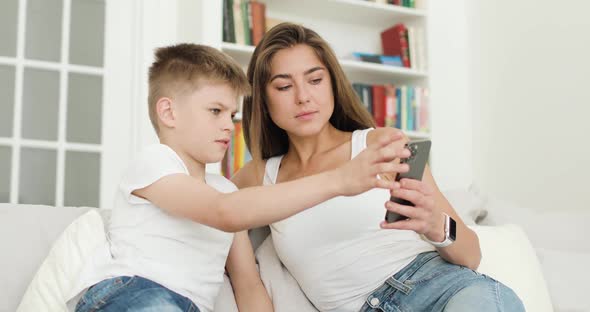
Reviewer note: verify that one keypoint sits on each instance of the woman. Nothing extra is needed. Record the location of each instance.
(304, 118)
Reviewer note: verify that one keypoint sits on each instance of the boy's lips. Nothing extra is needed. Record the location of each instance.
(225, 142)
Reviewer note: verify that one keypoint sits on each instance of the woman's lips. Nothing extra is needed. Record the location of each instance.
(306, 115)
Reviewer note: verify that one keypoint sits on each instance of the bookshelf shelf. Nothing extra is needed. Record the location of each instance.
(239, 52)
(357, 70)
(369, 13)
(378, 73)
(417, 135)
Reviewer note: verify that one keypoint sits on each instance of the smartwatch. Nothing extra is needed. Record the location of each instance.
(450, 233)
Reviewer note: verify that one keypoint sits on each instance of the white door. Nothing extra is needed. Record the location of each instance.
(66, 82)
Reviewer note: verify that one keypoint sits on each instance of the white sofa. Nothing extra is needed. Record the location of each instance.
(27, 233)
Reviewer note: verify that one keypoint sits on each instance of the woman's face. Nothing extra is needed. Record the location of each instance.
(299, 92)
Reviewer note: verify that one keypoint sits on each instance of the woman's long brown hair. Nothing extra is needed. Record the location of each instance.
(263, 137)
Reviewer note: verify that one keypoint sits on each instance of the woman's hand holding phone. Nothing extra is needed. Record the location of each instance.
(412, 206)
(424, 217)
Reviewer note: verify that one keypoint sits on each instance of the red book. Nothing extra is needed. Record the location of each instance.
(258, 21)
(394, 41)
(379, 105)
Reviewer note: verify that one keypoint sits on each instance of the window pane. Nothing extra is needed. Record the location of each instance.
(40, 104)
(37, 176)
(5, 167)
(7, 100)
(8, 26)
(82, 179)
(84, 108)
(87, 32)
(43, 30)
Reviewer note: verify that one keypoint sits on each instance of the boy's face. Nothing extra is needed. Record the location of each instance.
(205, 121)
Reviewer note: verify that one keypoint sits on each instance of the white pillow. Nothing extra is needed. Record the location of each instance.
(468, 203)
(508, 256)
(58, 272)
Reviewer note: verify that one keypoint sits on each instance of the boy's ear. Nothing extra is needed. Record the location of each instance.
(166, 112)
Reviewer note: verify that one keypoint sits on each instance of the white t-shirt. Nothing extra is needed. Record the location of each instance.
(336, 250)
(143, 240)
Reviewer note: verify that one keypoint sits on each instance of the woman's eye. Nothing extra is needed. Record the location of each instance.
(215, 111)
(316, 81)
(284, 88)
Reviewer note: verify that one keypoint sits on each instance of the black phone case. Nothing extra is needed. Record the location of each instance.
(417, 162)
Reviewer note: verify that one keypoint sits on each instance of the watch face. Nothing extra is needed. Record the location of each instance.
(452, 229)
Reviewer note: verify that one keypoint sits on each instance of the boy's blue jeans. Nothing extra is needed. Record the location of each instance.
(135, 293)
(429, 283)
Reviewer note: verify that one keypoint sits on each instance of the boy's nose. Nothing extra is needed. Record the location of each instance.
(229, 126)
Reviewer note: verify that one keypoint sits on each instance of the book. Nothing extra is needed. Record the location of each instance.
(394, 42)
(377, 58)
(229, 34)
(258, 21)
(390, 106)
(238, 22)
(379, 105)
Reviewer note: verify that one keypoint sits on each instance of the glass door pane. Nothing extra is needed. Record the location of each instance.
(43, 30)
(37, 176)
(8, 27)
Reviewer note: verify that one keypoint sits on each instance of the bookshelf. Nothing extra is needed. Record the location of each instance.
(332, 18)
(338, 21)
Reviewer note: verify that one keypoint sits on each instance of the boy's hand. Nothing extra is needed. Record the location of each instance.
(360, 174)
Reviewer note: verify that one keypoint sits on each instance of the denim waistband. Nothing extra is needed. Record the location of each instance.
(396, 282)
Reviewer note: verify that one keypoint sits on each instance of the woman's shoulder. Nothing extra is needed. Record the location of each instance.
(376, 134)
(250, 174)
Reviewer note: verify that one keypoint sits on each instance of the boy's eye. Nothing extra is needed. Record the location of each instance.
(316, 81)
(284, 88)
(233, 115)
(215, 111)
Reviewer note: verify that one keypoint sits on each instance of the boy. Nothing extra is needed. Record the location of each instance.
(172, 226)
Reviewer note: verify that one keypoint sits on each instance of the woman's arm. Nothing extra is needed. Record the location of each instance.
(248, 289)
(429, 220)
(426, 217)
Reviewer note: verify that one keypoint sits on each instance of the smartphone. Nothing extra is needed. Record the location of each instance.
(419, 149)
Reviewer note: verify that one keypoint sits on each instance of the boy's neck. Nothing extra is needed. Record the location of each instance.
(195, 168)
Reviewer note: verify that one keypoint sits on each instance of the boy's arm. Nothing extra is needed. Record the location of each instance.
(186, 196)
(248, 289)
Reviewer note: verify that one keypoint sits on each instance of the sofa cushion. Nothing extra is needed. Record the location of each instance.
(26, 235)
(508, 256)
(60, 270)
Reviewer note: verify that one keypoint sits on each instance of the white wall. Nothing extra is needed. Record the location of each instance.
(452, 159)
(529, 69)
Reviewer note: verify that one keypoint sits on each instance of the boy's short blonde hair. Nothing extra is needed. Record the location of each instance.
(182, 68)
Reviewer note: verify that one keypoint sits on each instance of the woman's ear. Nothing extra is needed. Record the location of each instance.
(165, 112)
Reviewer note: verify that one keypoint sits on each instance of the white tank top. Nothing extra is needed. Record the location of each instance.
(336, 250)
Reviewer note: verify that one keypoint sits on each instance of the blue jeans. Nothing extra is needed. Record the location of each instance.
(429, 283)
(135, 293)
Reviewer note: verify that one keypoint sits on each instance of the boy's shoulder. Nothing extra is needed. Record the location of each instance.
(153, 161)
(157, 154)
